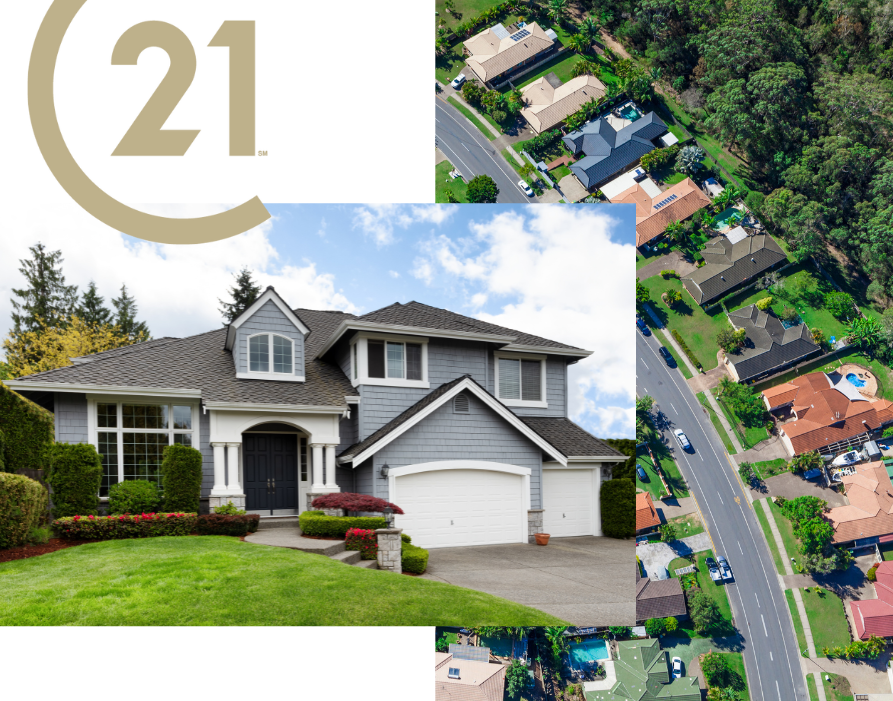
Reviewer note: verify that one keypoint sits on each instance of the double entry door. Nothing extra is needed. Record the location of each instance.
(272, 468)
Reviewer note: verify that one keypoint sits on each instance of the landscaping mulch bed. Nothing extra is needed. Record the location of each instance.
(51, 546)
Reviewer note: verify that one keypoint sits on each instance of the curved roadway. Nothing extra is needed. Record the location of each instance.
(759, 609)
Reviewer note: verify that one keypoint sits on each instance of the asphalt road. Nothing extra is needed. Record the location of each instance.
(472, 154)
(759, 608)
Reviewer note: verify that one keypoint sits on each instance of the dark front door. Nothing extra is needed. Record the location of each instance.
(270, 464)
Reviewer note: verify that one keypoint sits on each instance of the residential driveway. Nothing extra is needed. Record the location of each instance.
(572, 189)
(790, 486)
(703, 382)
(865, 676)
(656, 557)
(688, 649)
(586, 581)
(671, 508)
(769, 449)
(551, 196)
(671, 261)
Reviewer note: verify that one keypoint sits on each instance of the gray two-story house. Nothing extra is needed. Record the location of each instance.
(461, 423)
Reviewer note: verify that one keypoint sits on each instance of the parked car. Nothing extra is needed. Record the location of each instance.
(641, 473)
(457, 81)
(677, 667)
(682, 439)
(525, 188)
(713, 570)
(643, 327)
(724, 568)
(667, 356)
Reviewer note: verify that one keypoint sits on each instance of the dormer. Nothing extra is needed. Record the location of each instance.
(267, 341)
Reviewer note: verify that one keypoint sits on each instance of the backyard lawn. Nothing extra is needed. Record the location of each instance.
(687, 525)
(714, 419)
(217, 580)
(444, 182)
(561, 66)
(881, 372)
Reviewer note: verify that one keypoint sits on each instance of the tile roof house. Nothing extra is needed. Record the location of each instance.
(769, 346)
(548, 105)
(467, 680)
(869, 513)
(659, 598)
(643, 674)
(495, 54)
(875, 616)
(647, 517)
(827, 410)
(731, 260)
(434, 411)
(655, 214)
(607, 151)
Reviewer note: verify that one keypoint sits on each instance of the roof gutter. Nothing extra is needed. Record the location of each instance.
(31, 386)
(279, 408)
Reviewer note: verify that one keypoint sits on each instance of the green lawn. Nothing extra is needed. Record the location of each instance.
(450, 65)
(838, 689)
(881, 372)
(791, 544)
(717, 592)
(687, 525)
(443, 182)
(810, 684)
(653, 486)
(886, 551)
(514, 164)
(764, 524)
(218, 580)
(560, 172)
(714, 419)
(697, 327)
(451, 635)
(798, 623)
(749, 436)
(471, 118)
(671, 470)
(827, 619)
(736, 662)
(771, 468)
(561, 66)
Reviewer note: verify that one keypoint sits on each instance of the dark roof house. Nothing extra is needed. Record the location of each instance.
(659, 598)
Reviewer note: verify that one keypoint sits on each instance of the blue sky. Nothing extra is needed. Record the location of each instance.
(559, 271)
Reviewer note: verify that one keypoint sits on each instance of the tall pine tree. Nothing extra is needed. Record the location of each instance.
(46, 297)
(243, 295)
(125, 317)
(92, 308)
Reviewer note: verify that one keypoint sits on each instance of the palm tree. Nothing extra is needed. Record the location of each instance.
(612, 90)
(580, 44)
(655, 73)
(585, 68)
(675, 231)
(558, 10)
(589, 28)
(689, 159)
(725, 384)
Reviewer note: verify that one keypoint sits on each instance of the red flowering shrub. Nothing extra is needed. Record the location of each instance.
(353, 502)
(125, 526)
(363, 540)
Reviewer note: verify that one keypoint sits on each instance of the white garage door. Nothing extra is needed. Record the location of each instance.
(445, 508)
(567, 502)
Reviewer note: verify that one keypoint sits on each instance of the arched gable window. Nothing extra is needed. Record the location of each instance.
(269, 352)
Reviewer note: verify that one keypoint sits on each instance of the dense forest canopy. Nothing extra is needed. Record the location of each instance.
(803, 92)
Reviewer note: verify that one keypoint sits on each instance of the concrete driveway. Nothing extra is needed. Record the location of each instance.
(586, 581)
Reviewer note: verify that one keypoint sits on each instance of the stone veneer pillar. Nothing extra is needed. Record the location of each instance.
(534, 523)
(390, 549)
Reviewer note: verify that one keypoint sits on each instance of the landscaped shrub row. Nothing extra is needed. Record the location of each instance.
(413, 558)
(363, 540)
(75, 475)
(23, 506)
(181, 474)
(687, 350)
(27, 432)
(618, 497)
(228, 524)
(134, 497)
(125, 526)
(316, 523)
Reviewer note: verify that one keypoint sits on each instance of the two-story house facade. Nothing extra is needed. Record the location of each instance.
(461, 423)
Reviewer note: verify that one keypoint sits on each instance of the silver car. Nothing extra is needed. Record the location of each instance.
(682, 439)
(724, 568)
(457, 81)
(677, 667)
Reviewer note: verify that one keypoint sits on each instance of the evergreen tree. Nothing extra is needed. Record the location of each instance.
(92, 308)
(125, 317)
(243, 295)
(46, 297)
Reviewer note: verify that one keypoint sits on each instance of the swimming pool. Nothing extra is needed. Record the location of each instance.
(583, 654)
(723, 218)
(629, 112)
(505, 647)
(854, 380)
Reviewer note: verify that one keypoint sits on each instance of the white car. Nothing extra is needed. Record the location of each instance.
(677, 668)
(525, 188)
(457, 81)
(724, 568)
(683, 440)
(713, 570)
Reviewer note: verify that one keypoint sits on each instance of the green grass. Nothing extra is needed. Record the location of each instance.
(451, 635)
(771, 468)
(217, 580)
(798, 623)
(653, 486)
(838, 689)
(560, 172)
(770, 539)
(881, 372)
(443, 182)
(810, 684)
(514, 164)
(561, 66)
(717, 424)
(786, 530)
(697, 327)
(886, 552)
(671, 470)
(827, 619)
(748, 436)
(717, 592)
(471, 118)
(687, 525)
(736, 662)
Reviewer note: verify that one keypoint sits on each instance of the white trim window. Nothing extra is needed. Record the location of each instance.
(520, 380)
(270, 356)
(394, 361)
(132, 435)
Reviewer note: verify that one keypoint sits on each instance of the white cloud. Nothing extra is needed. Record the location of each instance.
(176, 287)
(422, 270)
(380, 220)
(322, 228)
(393, 273)
(568, 281)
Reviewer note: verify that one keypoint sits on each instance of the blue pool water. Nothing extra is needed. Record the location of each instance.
(582, 654)
(854, 380)
(504, 647)
(629, 112)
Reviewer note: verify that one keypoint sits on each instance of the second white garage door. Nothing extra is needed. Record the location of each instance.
(567, 502)
(445, 508)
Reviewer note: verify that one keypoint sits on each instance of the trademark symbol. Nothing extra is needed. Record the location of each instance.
(261, 153)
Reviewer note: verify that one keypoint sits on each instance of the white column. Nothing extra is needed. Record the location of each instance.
(232, 460)
(330, 468)
(318, 484)
(219, 469)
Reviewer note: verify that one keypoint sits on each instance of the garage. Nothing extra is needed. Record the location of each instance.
(461, 503)
(568, 499)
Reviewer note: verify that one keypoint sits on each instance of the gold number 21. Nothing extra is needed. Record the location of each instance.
(146, 136)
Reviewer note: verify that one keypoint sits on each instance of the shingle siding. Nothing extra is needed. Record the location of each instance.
(268, 318)
(556, 391)
(204, 438)
(362, 478)
(70, 412)
(347, 429)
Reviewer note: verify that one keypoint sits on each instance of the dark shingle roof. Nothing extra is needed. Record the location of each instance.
(658, 599)
(569, 438)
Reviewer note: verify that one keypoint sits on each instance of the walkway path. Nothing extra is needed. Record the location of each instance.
(291, 538)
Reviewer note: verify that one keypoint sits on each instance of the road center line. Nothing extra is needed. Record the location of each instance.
(674, 409)
(765, 630)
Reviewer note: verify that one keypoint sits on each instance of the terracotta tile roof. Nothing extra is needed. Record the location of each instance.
(780, 395)
(491, 56)
(646, 515)
(869, 512)
(659, 599)
(548, 106)
(652, 221)
(875, 616)
(478, 681)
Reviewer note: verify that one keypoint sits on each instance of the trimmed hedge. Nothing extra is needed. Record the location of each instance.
(413, 558)
(363, 540)
(125, 526)
(316, 523)
(618, 501)
(228, 524)
(28, 431)
(23, 506)
(134, 497)
(75, 475)
(685, 348)
(181, 477)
